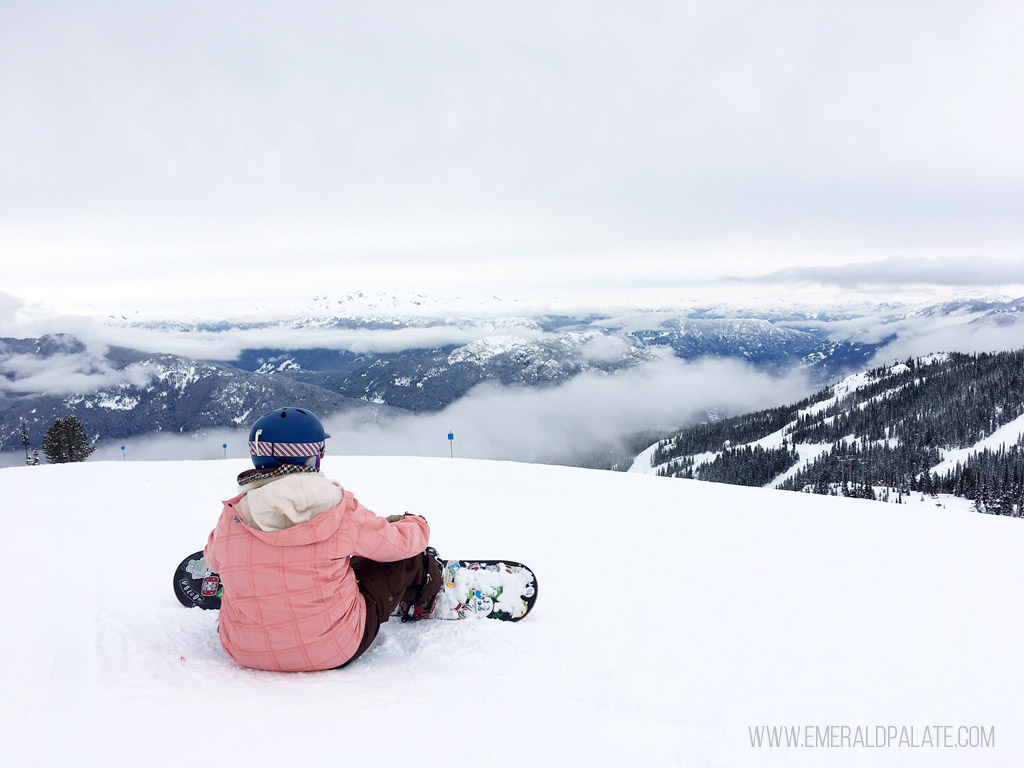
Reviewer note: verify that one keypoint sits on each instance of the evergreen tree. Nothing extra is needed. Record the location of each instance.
(24, 441)
(888, 433)
(66, 441)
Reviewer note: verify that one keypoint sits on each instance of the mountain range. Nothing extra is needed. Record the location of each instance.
(127, 378)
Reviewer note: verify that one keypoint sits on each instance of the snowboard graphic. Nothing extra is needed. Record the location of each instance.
(195, 585)
(472, 589)
(484, 589)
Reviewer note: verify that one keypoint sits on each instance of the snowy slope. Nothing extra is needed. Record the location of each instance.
(1003, 437)
(671, 616)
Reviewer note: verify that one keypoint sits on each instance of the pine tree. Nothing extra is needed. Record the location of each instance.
(66, 441)
(24, 442)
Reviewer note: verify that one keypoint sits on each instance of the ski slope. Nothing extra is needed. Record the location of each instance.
(1004, 436)
(1007, 435)
(672, 616)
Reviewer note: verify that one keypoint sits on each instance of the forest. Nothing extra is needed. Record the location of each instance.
(884, 437)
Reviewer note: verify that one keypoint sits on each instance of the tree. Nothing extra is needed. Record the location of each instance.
(65, 441)
(32, 459)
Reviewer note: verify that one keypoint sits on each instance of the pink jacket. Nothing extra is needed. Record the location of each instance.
(290, 601)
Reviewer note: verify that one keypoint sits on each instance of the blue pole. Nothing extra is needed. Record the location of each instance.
(225, 446)
(451, 444)
(122, 453)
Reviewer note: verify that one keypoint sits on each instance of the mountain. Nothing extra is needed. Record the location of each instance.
(432, 379)
(950, 422)
(729, 612)
(128, 392)
(419, 355)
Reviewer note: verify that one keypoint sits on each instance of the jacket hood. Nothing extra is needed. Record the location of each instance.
(292, 510)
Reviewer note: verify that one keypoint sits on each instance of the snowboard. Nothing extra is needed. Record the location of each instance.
(195, 585)
(484, 589)
(473, 589)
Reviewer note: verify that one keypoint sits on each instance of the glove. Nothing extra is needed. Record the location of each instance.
(396, 518)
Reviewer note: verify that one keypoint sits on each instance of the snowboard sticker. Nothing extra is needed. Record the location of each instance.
(485, 589)
(195, 585)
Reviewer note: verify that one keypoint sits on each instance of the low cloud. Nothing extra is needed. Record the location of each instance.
(18, 320)
(195, 446)
(587, 416)
(65, 374)
(598, 348)
(228, 345)
(995, 333)
(897, 272)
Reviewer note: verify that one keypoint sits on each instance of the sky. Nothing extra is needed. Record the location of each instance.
(196, 153)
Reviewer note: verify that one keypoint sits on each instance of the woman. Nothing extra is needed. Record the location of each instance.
(309, 573)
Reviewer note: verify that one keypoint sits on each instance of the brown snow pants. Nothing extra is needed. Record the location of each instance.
(384, 585)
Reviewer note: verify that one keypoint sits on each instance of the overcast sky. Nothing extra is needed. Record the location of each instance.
(204, 149)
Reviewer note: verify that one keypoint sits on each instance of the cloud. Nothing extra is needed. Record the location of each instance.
(588, 418)
(591, 415)
(9, 307)
(600, 348)
(21, 320)
(228, 345)
(897, 272)
(65, 374)
(919, 337)
(195, 446)
(298, 145)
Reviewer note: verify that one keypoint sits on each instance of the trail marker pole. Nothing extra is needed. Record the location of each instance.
(451, 444)
(122, 453)
(225, 447)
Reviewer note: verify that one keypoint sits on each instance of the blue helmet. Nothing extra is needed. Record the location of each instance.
(286, 436)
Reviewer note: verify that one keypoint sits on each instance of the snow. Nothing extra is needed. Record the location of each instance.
(482, 350)
(1006, 435)
(774, 440)
(644, 461)
(844, 388)
(181, 376)
(808, 453)
(672, 616)
(119, 401)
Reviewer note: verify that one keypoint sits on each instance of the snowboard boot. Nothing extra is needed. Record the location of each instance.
(425, 596)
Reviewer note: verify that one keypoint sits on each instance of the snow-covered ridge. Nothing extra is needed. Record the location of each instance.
(486, 349)
(899, 382)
